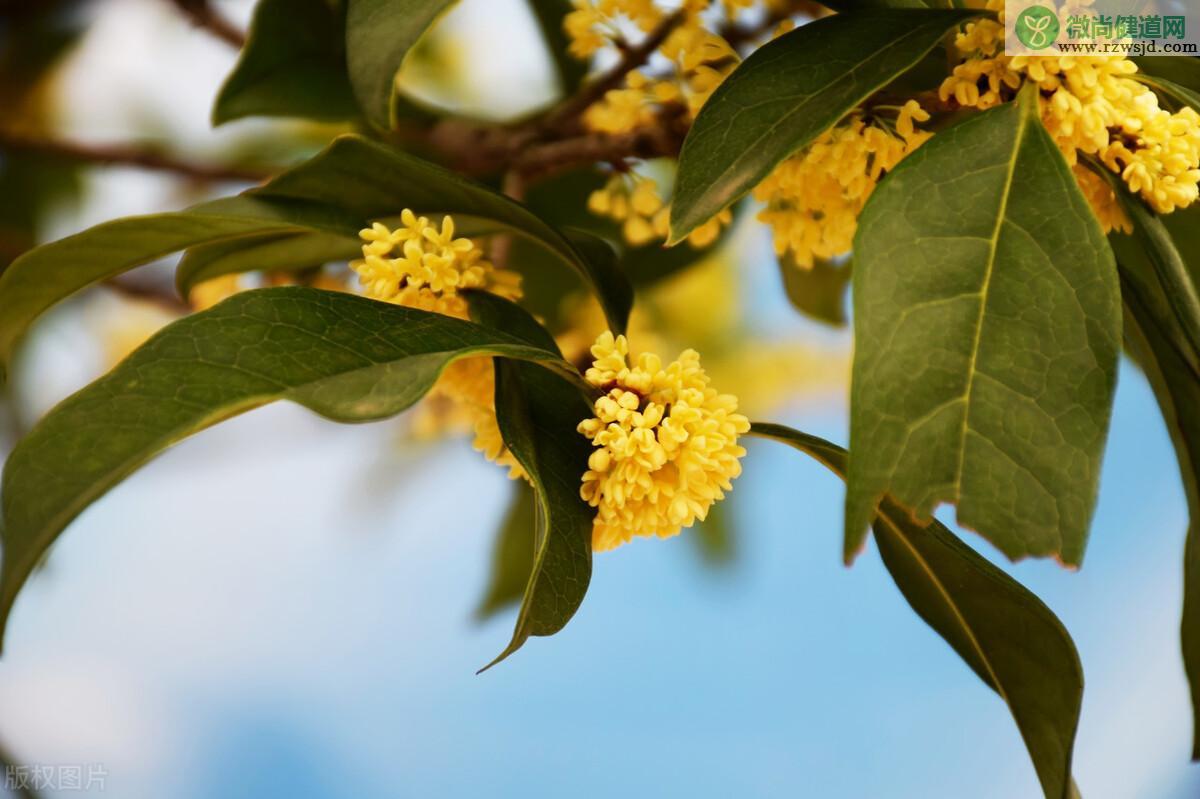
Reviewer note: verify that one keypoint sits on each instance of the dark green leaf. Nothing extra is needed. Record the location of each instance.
(1172, 366)
(374, 181)
(1177, 78)
(538, 412)
(819, 291)
(549, 15)
(787, 93)
(987, 328)
(1016, 645)
(1177, 388)
(1169, 287)
(43, 276)
(293, 65)
(345, 357)
(512, 555)
(266, 253)
(379, 33)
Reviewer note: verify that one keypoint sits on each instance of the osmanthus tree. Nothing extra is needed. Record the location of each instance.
(1008, 225)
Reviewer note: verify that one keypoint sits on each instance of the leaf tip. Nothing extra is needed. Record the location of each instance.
(517, 642)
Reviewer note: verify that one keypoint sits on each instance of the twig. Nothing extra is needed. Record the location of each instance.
(203, 15)
(631, 59)
(663, 137)
(124, 155)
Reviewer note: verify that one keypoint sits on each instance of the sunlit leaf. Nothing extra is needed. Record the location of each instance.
(987, 328)
(1016, 645)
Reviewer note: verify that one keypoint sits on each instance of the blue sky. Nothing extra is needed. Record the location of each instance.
(282, 607)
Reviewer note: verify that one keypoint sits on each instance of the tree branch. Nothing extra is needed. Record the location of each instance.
(632, 58)
(123, 155)
(203, 15)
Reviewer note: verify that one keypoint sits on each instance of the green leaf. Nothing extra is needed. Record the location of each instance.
(45, 275)
(538, 413)
(1172, 366)
(293, 65)
(1016, 645)
(374, 181)
(1177, 388)
(819, 291)
(787, 93)
(512, 554)
(1177, 78)
(345, 357)
(549, 15)
(269, 252)
(987, 328)
(379, 33)
(1169, 280)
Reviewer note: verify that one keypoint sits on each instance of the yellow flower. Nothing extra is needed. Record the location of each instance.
(699, 59)
(422, 266)
(1090, 104)
(665, 444)
(644, 215)
(813, 198)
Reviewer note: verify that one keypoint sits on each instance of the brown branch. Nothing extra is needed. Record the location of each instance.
(124, 155)
(203, 15)
(662, 138)
(632, 58)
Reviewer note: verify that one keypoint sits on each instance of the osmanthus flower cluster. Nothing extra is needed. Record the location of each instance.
(1093, 105)
(813, 199)
(634, 201)
(420, 265)
(666, 444)
(692, 61)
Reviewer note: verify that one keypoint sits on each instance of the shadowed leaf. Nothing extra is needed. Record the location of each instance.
(512, 554)
(293, 65)
(347, 358)
(266, 253)
(379, 34)
(818, 292)
(47, 274)
(538, 412)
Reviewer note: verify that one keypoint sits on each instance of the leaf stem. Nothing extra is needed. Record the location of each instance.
(566, 114)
